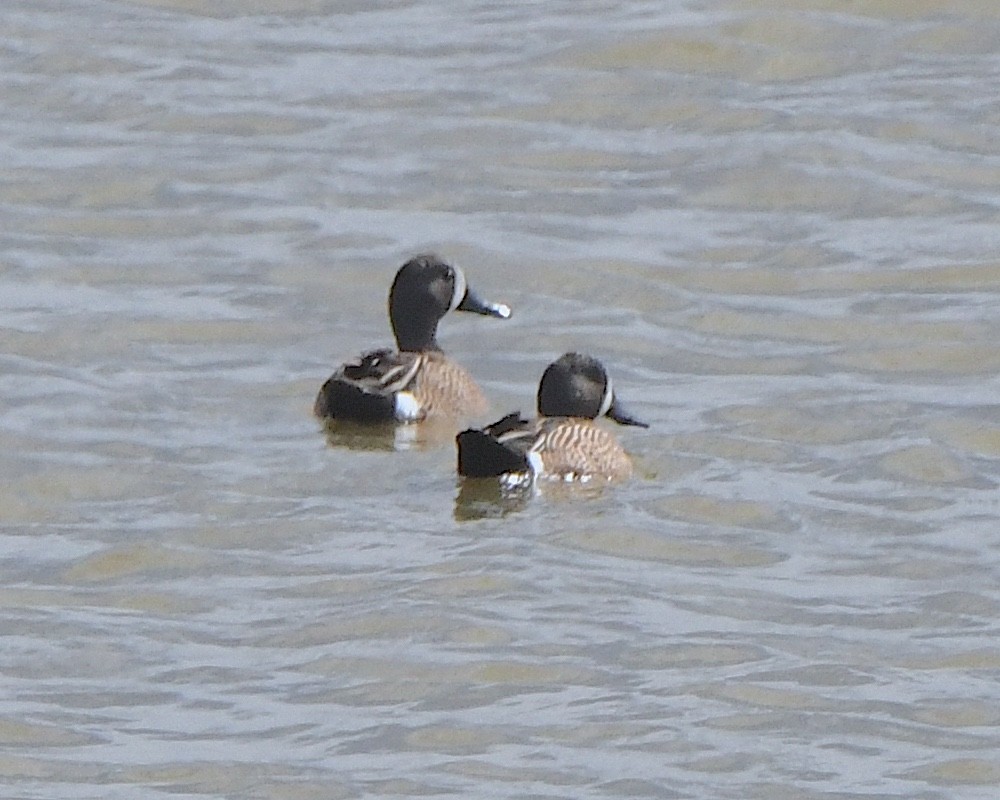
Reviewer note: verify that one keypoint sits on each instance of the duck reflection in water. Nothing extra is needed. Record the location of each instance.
(390, 436)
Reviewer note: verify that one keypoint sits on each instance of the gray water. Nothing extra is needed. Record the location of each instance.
(777, 227)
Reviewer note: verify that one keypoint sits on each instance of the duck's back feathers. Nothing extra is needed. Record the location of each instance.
(386, 385)
(368, 389)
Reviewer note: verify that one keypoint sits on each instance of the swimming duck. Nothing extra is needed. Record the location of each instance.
(563, 442)
(417, 380)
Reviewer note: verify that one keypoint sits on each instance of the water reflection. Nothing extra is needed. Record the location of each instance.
(486, 498)
(483, 498)
(389, 436)
(357, 436)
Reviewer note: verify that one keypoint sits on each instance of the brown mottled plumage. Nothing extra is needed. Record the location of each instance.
(574, 447)
(564, 442)
(445, 389)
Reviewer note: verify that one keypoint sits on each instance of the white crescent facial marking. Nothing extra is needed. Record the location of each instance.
(608, 399)
(460, 288)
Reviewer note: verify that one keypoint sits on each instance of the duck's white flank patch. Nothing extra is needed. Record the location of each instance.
(535, 462)
(407, 407)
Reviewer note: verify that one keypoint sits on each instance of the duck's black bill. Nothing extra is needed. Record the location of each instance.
(623, 417)
(472, 302)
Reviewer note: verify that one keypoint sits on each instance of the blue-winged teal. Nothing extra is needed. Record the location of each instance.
(417, 380)
(564, 442)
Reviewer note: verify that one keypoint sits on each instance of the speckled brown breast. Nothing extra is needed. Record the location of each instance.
(444, 389)
(574, 447)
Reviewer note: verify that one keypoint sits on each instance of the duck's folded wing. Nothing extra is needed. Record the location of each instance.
(384, 371)
(364, 390)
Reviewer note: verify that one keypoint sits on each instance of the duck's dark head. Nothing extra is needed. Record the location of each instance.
(577, 385)
(424, 290)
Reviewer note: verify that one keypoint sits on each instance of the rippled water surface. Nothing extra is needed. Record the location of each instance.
(778, 227)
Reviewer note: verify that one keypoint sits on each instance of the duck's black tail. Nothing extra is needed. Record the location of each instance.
(483, 454)
(340, 399)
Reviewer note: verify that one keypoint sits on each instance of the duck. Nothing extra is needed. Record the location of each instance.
(563, 442)
(415, 381)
